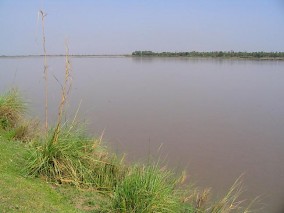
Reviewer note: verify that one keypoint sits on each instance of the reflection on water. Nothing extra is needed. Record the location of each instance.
(218, 118)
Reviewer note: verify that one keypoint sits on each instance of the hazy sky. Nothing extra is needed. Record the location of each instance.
(123, 26)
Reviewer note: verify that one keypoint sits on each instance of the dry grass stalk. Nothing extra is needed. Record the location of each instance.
(45, 68)
(201, 198)
(231, 201)
(64, 93)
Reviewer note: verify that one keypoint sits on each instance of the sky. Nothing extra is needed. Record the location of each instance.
(121, 27)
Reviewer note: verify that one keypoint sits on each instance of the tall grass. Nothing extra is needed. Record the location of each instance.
(12, 108)
(66, 155)
(147, 189)
(74, 158)
(13, 124)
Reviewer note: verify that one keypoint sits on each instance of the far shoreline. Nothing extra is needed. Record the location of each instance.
(149, 56)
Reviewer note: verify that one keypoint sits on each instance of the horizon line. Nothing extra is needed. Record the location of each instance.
(130, 54)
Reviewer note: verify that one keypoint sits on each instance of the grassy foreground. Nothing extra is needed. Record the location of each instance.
(65, 170)
(22, 194)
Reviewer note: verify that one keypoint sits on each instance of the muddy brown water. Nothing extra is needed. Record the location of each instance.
(216, 118)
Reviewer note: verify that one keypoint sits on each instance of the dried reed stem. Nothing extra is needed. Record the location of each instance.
(64, 93)
(45, 68)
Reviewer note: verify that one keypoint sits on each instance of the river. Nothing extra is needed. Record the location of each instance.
(218, 118)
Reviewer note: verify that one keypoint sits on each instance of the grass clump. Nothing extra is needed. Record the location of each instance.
(22, 194)
(13, 125)
(74, 158)
(12, 107)
(147, 189)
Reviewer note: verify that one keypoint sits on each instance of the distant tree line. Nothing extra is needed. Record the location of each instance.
(214, 54)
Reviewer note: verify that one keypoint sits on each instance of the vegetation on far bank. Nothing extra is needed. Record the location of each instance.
(77, 173)
(214, 54)
(191, 54)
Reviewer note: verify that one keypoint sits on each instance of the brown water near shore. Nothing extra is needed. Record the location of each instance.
(218, 118)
